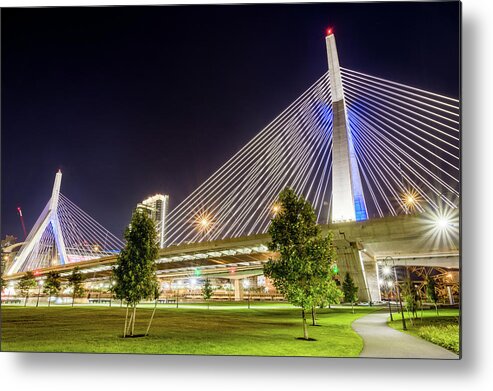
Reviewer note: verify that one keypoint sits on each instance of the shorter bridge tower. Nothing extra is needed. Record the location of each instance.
(63, 234)
(47, 219)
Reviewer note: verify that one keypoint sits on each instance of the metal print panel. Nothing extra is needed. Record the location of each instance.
(268, 180)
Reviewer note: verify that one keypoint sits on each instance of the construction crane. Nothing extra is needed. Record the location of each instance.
(22, 221)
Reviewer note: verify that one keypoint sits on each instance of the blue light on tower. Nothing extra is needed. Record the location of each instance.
(357, 187)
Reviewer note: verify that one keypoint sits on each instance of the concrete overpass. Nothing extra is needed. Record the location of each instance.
(410, 240)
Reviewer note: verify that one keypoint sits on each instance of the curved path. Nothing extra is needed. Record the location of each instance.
(380, 340)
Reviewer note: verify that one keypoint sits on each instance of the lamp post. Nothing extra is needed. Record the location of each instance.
(390, 307)
(388, 285)
(40, 284)
(387, 259)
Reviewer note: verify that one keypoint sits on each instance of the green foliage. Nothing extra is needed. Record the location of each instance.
(75, 282)
(207, 289)
(431, 291)
(410, 296)
(329, 293)
(135, 271)
(444, 335)
(52, 284)
(8, 241)
(3, 257)
(443, 330)
(304, 267)
(304, 264)
(350, 291)
(26, 283)
(3, 283)
(293, 225)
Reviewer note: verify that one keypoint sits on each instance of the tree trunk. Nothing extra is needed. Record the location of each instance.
(73, 298)
(133, 322)
(352, 307)
(314, 322)
(305, 328)
(126, 319)
(436, 308)
(129, 328)
(152, 317)
(25, 301)
(49, 301)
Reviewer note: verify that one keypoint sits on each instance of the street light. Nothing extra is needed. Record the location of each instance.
(410, 200)
(276, 208)
(203, 222)
(386, 273)
(386, 261)
(442, 223)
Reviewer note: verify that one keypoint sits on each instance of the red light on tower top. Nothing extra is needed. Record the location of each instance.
(329, 31)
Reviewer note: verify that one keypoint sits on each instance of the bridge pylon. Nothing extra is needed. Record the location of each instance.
(348, 201)
(48, 219)
(62, 234)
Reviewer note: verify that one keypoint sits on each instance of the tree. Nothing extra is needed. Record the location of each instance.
(349, 290)
(431, 292)
(411, 298)
(75, 282)
(8, 241)
(322, 254)
(3, 283)
(135, 271)
(330, 293)
(207, 291)
(52, 285)
(25, 284)
(304, 256)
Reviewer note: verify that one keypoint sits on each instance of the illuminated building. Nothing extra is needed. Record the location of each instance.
(157, 208)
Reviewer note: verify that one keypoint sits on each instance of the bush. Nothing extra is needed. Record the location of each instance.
(446, 336)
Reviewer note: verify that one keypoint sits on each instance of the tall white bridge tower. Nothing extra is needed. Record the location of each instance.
(348, 201)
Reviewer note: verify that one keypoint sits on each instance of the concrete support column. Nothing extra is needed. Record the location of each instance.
(361, 267)
(369, 266)
(238, 290)
(348, 261)
(450, 296)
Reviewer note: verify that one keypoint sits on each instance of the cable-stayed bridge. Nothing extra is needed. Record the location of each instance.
(378, 160)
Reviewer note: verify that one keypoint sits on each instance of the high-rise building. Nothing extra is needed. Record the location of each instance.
(157, 208)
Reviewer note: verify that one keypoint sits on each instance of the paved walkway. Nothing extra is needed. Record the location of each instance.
(381, 340)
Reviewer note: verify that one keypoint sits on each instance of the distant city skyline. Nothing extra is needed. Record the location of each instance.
(133, 101)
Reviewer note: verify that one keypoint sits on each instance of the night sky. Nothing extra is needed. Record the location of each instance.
(133, 101)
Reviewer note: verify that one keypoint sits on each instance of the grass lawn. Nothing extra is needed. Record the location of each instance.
(237, 331)
(442, 330)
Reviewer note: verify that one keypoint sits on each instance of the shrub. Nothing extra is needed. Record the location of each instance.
(446, 336)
